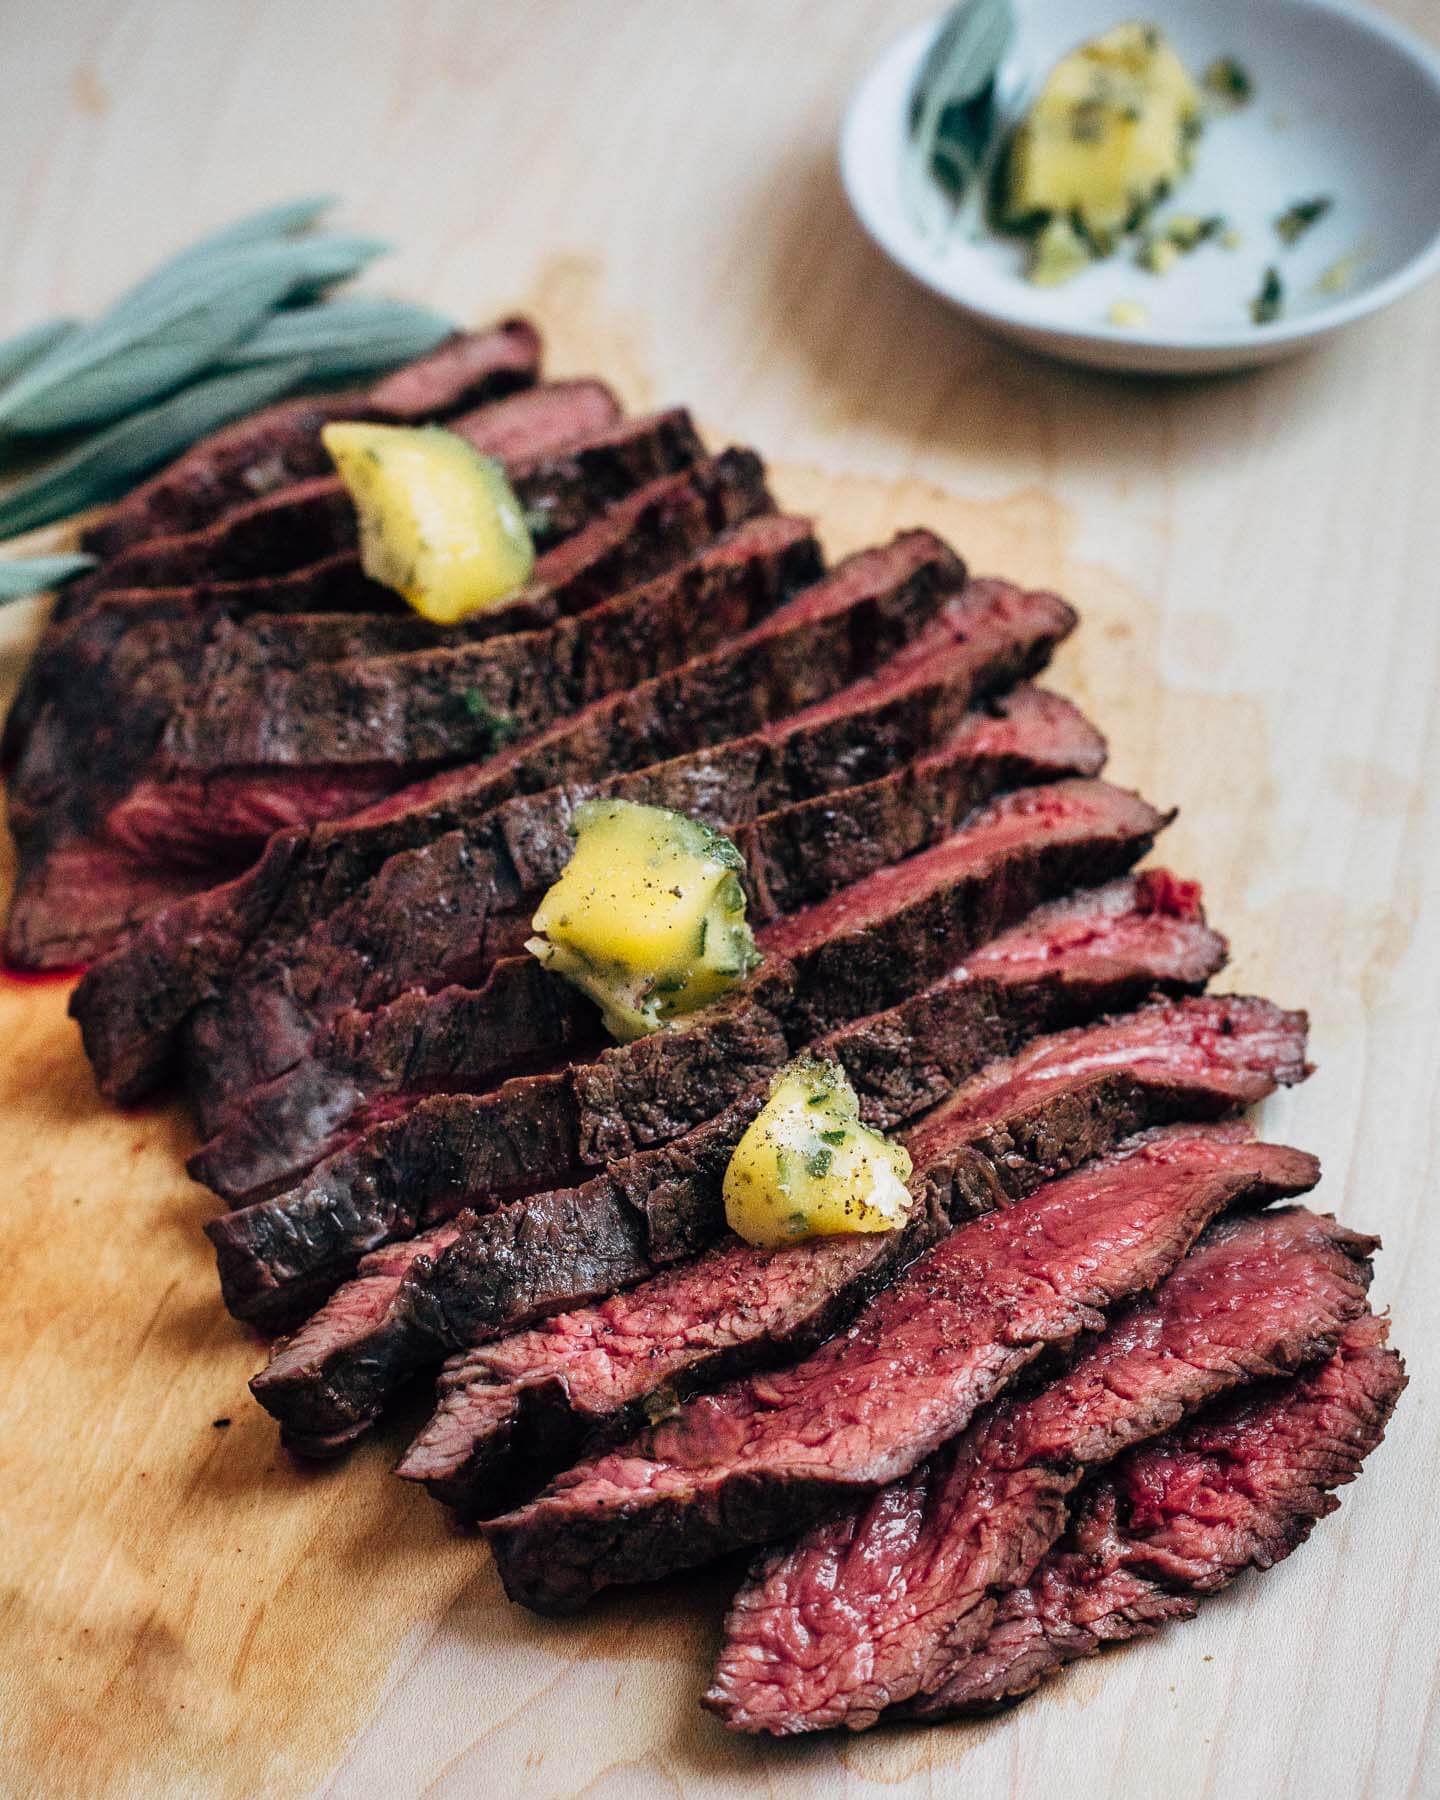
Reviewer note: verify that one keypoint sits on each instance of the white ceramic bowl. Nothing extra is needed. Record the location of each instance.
(1346, 104)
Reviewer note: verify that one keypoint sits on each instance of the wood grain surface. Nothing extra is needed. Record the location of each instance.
(184, 1612)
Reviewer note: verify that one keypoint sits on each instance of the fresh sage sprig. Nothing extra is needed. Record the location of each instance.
(33, 574)
(26, 347)
(272, 225)
(346, 338)
(953, 111)
(105, 370)
(219, 329)
(106, 464)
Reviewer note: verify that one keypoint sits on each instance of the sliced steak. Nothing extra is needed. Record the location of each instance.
(132, 1004)
(566, 448)
(804, 852)
(461, 701)
(278, 1257)
(481, 907)
(515, 1411)
(87, 707)
(914, 918)
(272, 449)
(318, 1357)
(1239, 1487)
(869, 606)
(1239, 1047)
(873, 1607)
(438, 705)
(774, 1453)
(548, 1253)
(512, 1412)
(1056, 1135)
(90, 680)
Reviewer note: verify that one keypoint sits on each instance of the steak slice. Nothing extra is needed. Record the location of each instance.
(548, 1253)
(775, 1452)
(517, 1410)
(461, 701)
(875, 1606)
(1239, 1487)
(567, 451)
(869, 606)
(132, 1003)
(272, 449)
(437, 913)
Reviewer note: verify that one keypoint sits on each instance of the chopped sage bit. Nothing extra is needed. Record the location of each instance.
(1188, 231)
(1269, 303)
(1162, 248)
(1296, 220)
(662, 1404)
(1228, 80)
(499, 724)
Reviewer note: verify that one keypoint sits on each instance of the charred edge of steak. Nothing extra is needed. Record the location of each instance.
(1239, 1487)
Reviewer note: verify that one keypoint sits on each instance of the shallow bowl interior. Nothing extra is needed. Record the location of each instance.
(1346, 104)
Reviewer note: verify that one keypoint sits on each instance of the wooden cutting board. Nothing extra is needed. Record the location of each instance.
(183, 1610)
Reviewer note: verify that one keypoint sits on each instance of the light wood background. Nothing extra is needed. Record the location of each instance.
(185, 1612)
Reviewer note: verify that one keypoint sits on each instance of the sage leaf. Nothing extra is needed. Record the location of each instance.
(1296, 220)
(275, 222)
(104, 370)
(106, 464)
(28, 346)
(345, 339)
(953, 113)
(34, 574)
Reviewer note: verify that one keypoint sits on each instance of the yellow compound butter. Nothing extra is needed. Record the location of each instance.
(648, 917)
(808, 1168)
(1110, 133)
(439, 523)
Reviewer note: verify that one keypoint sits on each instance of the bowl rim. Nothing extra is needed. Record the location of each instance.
(908, 46)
